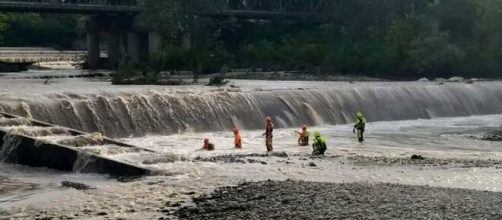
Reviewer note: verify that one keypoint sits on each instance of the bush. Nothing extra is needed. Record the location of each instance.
(219, 80)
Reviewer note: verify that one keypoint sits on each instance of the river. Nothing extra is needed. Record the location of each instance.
(444, 122)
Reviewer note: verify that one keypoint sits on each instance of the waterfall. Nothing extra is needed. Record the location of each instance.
(137, 113)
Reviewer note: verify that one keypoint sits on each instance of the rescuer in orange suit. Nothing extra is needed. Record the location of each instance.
(237, 138)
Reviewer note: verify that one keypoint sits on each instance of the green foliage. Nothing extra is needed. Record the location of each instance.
(392, 38)
(32, 29)
(219, 80)
(125, 71)
(3, 27)
(173, 17)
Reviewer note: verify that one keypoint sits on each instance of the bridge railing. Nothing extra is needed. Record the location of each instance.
(235, 7)
(75, 2)
(298, 6)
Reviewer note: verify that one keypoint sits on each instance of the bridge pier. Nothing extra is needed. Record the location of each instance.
(124, 39)
(133, 47)
(113, 48)
(93, 43)
(154, 42)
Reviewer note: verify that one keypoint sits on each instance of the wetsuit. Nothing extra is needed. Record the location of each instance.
(319, 146)
(269, 129)
(359, 128)
(303, 140)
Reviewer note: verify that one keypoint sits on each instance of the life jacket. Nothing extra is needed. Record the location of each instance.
(360, 123)
(269, 130)
(304, 136)
(237, 140)
(320, 143)
(320, 140)
(208, 146)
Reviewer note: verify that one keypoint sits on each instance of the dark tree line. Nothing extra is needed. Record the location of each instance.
(391, 38)
(30, 29)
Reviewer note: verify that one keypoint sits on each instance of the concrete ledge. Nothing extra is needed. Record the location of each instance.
(25, 150)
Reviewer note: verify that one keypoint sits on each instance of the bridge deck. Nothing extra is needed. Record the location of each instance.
(130, 7)
(48, 7)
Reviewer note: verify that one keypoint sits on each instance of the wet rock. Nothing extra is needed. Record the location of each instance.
(256, 161)
(127, 179)
(75, 185)
(237, 158)
(279, 154)
(101, 214)
(167, 158)
(312, 164)
(417, 157)
(492, 136)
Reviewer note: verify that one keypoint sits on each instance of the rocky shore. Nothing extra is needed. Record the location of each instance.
(314, 200)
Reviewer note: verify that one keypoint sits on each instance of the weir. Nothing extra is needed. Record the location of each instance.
(34, 143)
(137, 113)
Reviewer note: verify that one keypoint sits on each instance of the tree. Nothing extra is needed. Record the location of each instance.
(3, 27)
(172, 17)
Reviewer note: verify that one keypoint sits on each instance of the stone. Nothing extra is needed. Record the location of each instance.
(417, 157)
(75, 185)
(312, 164)
(102, 213)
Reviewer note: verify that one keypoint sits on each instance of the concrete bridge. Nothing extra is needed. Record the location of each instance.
(114, 21)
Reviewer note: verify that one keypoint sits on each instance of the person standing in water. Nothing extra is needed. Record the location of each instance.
(303, 136)
(207, 145)
(237, 139)
(360, 126)
(269, 129)
(319, 145)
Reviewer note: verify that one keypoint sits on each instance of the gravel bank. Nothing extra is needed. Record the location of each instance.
(434, 162)
(312, 200)
(240, 158)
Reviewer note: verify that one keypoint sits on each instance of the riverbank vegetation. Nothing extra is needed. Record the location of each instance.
(389, 39)
(396, 39)
(37, 30)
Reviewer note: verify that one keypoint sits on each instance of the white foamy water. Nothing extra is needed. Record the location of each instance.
(123, 111)
(188, 113)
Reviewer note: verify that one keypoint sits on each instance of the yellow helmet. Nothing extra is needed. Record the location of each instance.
(317, 134)
(359, 114)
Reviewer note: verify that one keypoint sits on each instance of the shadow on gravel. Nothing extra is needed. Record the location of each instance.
(314, 200)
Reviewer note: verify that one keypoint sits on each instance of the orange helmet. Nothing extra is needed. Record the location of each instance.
(268, 119)
(304, 127)
(236, 130)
